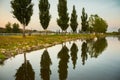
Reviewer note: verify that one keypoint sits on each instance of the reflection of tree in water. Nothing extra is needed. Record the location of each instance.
(74, 50)
(84, 52)
(25, 72)
(119, 38)
(1, 62)
(97, 47)
(64, 59)
(45, 66)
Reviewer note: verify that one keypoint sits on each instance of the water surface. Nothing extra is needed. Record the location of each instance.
(75, 60)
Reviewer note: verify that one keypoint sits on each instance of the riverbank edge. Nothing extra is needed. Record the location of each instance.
(8, 54)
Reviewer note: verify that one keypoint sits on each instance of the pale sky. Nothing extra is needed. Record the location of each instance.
(109, 10)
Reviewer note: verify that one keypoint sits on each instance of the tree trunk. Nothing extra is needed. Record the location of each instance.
(62, 32)
(25, 60)
(23, 30)
(45, 31)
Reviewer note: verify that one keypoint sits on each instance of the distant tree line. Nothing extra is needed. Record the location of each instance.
(2, 30)
(23, 10)
(14, 28)
(11, 28)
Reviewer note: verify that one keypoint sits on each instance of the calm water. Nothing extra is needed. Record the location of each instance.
(76, 60)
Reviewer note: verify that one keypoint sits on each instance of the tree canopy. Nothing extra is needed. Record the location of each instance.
(44, 14)
(8, 27)
(97, 24)
(22, 11)
(73, 20)
(84, 22)
(15, 28)
(63, 19)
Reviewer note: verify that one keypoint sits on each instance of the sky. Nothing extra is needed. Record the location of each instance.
(109, 10)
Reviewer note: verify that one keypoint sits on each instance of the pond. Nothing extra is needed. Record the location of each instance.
(95, 59)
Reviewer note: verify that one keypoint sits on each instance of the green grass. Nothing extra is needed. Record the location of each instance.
(12, 45)
(2, 56)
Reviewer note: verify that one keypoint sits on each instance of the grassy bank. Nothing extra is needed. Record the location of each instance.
(13, 45)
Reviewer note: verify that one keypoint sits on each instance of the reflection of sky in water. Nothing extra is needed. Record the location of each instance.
(105, 67)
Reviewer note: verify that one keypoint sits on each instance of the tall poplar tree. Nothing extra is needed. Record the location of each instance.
(22, 11)
(73, 20)
(84, 22)
(44, 14)
(63, 15)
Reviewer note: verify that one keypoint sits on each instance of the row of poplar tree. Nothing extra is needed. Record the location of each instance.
(23, 10)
